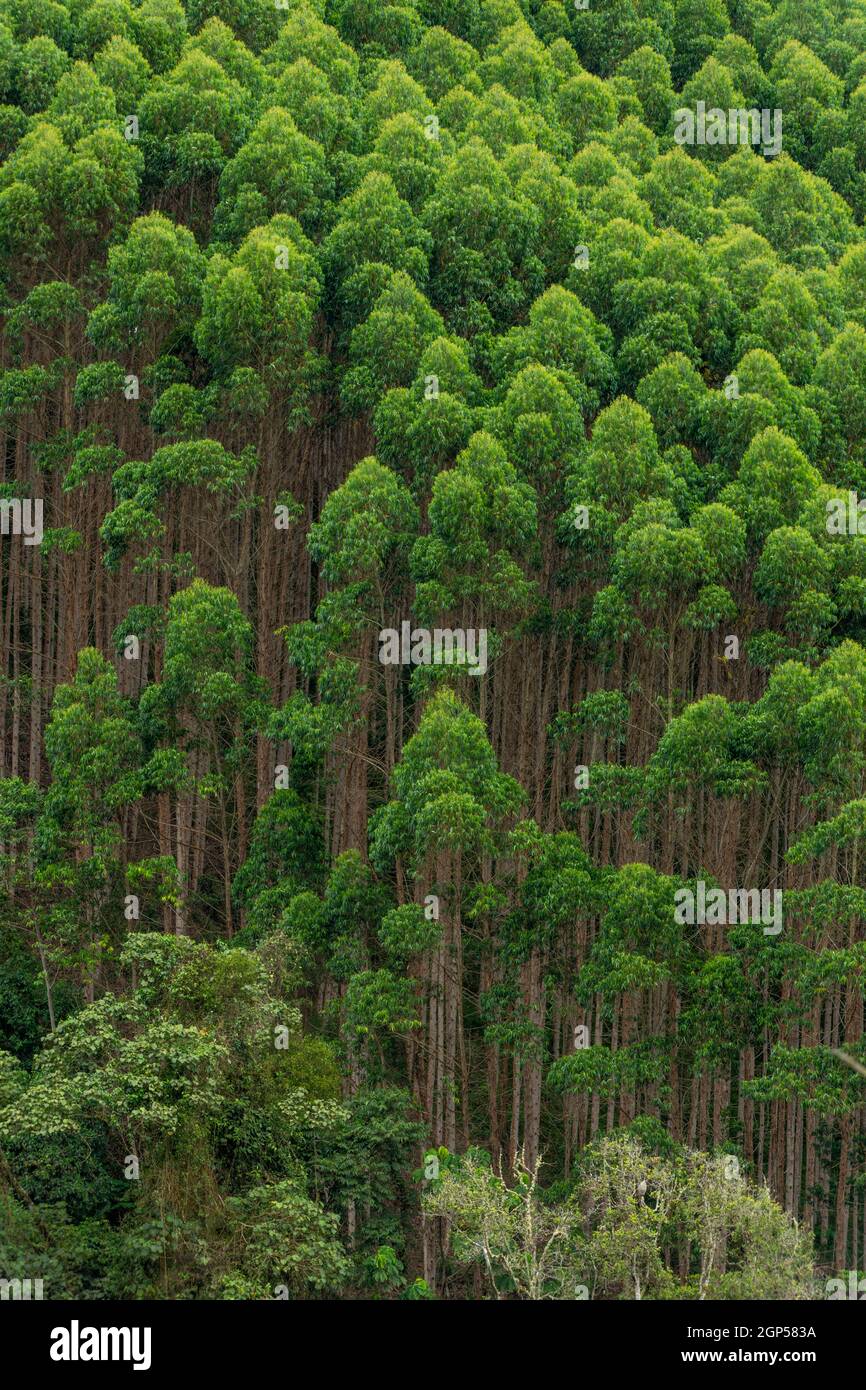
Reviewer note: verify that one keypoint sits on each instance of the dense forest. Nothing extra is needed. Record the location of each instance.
(433, 622)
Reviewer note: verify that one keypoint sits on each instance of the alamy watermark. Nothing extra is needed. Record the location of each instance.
(737, 126)
(715, 907)
(22, 516)
(21, 1290)
(77, 1343)
(846, 516)
(422, 646)
(854, 1289)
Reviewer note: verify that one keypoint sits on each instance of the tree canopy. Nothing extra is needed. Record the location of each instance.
(433, 602)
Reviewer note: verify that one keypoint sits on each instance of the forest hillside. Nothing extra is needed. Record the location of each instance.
(433, 630)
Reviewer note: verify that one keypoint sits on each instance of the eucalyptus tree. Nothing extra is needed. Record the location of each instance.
(200, 720)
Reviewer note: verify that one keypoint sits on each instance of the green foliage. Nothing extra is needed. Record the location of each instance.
(326, 323)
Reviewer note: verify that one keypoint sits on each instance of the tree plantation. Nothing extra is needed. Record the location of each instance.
(433, 632)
